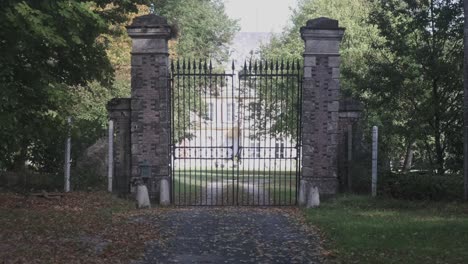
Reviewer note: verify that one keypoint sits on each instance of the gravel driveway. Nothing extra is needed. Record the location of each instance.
(233, 235)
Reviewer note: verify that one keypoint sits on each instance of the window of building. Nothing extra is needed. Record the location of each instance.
(210, 112)
(279, 150)
(230, 112)
(254, 149)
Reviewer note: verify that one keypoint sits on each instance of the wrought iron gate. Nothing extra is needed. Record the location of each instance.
(235, 135)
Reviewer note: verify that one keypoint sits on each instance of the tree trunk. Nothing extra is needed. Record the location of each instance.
(437, 130)
(465, 99)
(408, 157)
(19, 163)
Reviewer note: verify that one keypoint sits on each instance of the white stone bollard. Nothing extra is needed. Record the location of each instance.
(303, 193)
(375, 142)
(313, 199)
(68, 157)
(110, 164)
(164, 197)
(142, 197)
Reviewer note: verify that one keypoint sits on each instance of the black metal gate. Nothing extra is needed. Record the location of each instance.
(235, 135)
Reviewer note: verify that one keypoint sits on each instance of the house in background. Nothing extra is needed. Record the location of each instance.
(227, 135)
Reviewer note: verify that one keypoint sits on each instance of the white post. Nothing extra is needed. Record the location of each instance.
(110, 170)
(375, 136)
(350, 157)
(67, 157)
(164, 196)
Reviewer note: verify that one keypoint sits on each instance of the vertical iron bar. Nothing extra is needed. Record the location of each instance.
(263, 103)
(206, 103)
(276, 139)
(286, 142)
(171, 128)
(247, 119)
(184, 123)
(289, 118)
(281, 129)
(242, 100)
(269, 116)
(211, 134)
(257, 132)
(240, 131)
(299, 149)
(178, 129)
(232, 122)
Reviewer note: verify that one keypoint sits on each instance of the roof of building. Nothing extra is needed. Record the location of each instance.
(246, 45)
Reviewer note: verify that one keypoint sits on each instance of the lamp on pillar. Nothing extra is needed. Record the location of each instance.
(321, 94)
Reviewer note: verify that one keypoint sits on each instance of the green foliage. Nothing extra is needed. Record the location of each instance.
(204, 27)
(46, 48)
(360, 229)
(274, 110)
(422, 186)
(403, 59)
(414, 75)
(59, 58)
(352, 15)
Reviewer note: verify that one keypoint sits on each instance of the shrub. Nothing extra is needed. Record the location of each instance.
(422, 186)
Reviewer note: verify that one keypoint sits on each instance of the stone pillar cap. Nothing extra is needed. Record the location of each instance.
(322, 23)
(116, 104)
(148, 21)
(150, 26)
(322, 28)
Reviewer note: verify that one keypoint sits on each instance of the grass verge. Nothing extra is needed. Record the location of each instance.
(360, 229)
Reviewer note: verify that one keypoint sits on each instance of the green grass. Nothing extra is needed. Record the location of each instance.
(360, 229)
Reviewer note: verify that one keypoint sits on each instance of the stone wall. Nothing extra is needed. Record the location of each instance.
(119, 112)
(349, 115)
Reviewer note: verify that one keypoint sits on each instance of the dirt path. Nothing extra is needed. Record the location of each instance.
(233, 235)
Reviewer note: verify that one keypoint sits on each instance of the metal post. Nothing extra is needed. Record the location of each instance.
(67, 157)
(350, 156)
(375, 136)
(110, 171)
(465, 98)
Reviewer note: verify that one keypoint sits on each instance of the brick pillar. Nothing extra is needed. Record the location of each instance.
(321, 94)
(119, 112)
(150, 122)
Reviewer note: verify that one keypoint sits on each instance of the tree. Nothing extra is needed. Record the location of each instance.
(47, 47)
(402, 59)
(288, 46)
(204, 32)
(59, 59)
(414, 75)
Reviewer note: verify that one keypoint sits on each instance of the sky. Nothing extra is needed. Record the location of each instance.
(260, 15)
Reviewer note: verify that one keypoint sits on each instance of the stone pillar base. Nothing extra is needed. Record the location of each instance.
(326, 186)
